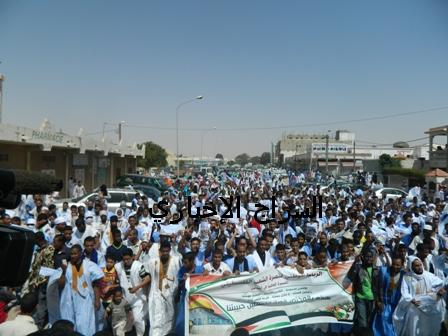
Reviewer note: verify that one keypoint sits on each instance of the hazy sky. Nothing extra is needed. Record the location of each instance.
(257, 63)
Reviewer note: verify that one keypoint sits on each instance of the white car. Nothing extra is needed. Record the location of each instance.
(115, 197)
(390, 193)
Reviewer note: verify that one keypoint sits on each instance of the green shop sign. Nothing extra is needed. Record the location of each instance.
(48, 136)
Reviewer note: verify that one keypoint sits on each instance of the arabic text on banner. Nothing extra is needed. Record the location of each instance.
(273, 299)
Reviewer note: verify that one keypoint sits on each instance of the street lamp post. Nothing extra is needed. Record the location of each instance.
(202, 140)
(326, 151)
(104, 130)
(2, 78)
(177, 128)
(120, 131)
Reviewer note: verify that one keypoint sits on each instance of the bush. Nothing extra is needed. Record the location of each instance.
(406, 172)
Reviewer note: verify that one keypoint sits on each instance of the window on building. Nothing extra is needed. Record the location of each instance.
(48, 159)
(4, 157)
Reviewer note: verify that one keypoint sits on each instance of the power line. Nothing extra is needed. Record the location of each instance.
(101, 132)
(168, 128)
(395, 115)
(389, 144)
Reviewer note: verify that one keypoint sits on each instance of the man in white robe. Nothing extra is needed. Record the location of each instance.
(82, 231)
(107, 238)
(79, 190)
(163, 271)
(80, 295)
(147, 251)
(261, 255)
(421, 309)
(134, 279)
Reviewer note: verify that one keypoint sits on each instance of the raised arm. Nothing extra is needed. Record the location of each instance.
(61, 280)
(251, 239)
(209, 248)
(229, 244)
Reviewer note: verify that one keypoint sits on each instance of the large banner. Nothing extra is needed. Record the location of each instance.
(273, 299)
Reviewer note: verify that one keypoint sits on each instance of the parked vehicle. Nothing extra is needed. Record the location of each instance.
(114, 198)
(342, 184)
(136, 179)
(149, 191)
(390, 193)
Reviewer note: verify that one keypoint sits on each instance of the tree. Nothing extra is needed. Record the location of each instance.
(231, 163)
(242, 159)
(265, 158)
(219, 156)
(255, 160)
(386, 161)
(155, 156)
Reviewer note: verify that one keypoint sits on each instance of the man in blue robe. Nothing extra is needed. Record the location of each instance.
(188, 267)
(391, 278)
(80, 295)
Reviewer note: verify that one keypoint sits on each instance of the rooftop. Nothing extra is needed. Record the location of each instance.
(440, 130)
(437, 173)
(47, 138)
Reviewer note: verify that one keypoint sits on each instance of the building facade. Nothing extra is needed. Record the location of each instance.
(44, 150)
(294, 146)
(438, 156)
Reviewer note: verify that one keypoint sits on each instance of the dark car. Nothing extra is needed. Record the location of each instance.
(141, 180)
(149, 191)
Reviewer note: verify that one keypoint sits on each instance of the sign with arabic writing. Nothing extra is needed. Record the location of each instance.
(332, 148)
(273, 299)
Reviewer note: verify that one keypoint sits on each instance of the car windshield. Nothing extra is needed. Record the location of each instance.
(90, 197)
(77, 199)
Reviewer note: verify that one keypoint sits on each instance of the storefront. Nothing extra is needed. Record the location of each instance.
(91, 161)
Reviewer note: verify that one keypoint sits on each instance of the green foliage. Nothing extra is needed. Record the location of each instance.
(414, 176)
(265, 158)
(242, 159)
(406, 172)
(219, 156)
(386, 161)
(255, 160)
(155, 156)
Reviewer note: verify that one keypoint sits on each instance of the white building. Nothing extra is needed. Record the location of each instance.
(45, 150)
(292, 146)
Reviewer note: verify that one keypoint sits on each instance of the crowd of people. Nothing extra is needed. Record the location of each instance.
(100, 272)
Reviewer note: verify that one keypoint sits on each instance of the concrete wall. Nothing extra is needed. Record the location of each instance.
(12, 156)
(371, 166)
(93, 168)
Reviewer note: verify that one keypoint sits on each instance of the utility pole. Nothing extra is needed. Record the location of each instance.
(104, 130)
(1, 96)
(326, 152)
(354, 155)
(295, 158)
(120, 131)
(177, 128)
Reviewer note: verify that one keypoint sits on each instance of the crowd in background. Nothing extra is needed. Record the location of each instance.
(95, 271)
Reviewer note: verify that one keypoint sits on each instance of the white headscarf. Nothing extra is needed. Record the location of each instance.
(119, 210)
(411, 259)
